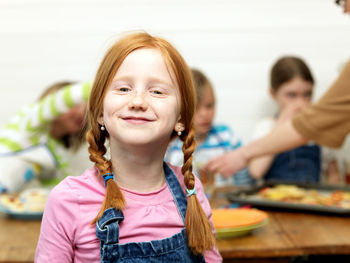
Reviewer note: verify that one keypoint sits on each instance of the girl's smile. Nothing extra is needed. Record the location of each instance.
(137, 120)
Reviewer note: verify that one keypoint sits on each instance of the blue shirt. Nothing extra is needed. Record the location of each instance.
(220, 139)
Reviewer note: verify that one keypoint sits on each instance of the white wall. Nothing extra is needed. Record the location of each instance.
(234, 42)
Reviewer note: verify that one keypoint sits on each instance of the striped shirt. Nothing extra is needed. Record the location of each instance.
(220, 139)
(30, 127)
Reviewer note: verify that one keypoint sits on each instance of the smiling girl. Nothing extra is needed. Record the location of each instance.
(133, 207)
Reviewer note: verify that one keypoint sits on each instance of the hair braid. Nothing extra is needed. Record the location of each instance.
(114, 197)
(198, 228)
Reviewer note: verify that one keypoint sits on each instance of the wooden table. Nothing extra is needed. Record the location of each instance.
(291, 234)
(18, 239)
(287, 234)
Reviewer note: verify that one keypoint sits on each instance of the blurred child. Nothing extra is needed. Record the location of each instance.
(35, 142)
(213, 140)
(133, 207)
(291, 87)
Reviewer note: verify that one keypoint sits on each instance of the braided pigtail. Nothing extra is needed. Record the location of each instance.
(198, 227)
(114, 197)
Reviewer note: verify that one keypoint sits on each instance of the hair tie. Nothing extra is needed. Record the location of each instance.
(107, 177)
(191, 192)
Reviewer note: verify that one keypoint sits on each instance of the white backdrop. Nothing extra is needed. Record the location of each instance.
(233, 42)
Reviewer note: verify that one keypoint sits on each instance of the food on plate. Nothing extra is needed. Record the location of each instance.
(282, 192)
(11, 202)
(30, 200)
(295, 194)
(34, 199)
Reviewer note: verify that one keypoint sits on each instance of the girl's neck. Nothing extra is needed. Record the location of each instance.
(138, 169)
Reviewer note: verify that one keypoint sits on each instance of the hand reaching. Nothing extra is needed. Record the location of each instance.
(228, 163)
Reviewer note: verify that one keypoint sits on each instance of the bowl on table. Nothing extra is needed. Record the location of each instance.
(237, 222)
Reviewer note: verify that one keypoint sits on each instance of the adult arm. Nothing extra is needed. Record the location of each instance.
(281, 138)
(327, 122)
(258, 166)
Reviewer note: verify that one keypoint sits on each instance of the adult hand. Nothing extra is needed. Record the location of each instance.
(228, 163)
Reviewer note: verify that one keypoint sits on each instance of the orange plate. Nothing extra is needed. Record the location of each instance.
(229, 218)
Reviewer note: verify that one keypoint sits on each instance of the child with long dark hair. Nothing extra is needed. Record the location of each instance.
(291, 86)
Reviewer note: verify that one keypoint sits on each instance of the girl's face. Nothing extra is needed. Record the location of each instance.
(142, 105)
(292, 91)
(204, 115)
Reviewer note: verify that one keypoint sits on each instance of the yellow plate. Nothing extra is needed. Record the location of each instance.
(233, 218)
(238, 231)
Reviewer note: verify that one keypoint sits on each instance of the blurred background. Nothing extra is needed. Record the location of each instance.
(233, 42)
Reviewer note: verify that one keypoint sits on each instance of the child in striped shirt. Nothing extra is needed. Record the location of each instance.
(34, 143)
(212, 140)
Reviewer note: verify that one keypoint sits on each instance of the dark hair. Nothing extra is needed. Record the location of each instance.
(340, 2)
(201, 83)
(286, 68)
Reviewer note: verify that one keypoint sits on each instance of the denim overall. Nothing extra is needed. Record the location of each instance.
(172, 249)
(302, 164)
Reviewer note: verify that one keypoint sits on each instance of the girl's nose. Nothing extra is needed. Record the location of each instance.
(138, 102)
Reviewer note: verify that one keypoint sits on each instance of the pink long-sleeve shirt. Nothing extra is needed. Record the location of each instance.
(68, 236)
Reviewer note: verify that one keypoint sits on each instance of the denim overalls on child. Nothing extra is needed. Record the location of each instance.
(302, 164)
(172, 249)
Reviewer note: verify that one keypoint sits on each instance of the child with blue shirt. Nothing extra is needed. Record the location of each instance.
(213, 140)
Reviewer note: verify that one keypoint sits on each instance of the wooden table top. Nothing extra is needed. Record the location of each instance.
(18, 239)
(286, 234)
(291, 234)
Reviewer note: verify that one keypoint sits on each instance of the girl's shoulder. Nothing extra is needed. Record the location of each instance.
(175, 144)
(217, 133)
(223, 136)
(77, 188)
(220, 128)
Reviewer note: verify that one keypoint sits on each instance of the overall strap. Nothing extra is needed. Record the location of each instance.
(176, 191)
(107, 232)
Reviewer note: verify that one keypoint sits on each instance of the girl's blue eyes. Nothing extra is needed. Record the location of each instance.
(152, 91)
(124, 89)
(157, 92)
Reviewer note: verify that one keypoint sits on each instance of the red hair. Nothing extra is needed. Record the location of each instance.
(198, 228)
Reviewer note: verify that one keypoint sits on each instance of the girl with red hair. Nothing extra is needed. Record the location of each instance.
(131, 206)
